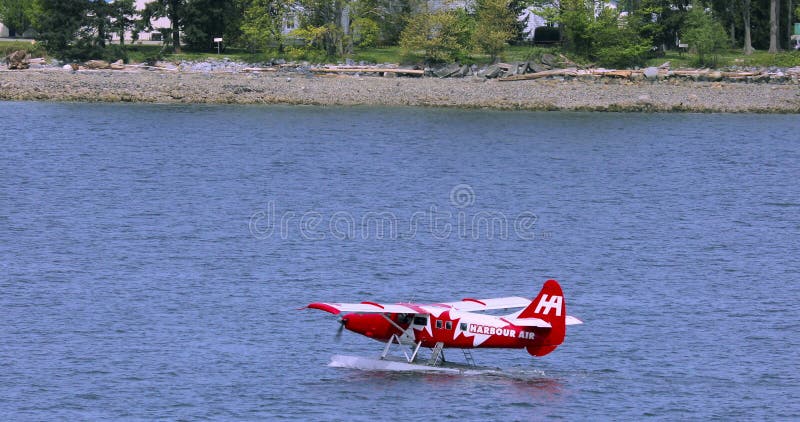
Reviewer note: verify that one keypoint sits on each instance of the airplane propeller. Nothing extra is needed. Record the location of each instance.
(342, 323)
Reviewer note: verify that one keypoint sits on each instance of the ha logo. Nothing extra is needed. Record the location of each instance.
(546, 304)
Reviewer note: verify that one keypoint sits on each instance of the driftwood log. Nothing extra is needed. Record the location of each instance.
(366, 69)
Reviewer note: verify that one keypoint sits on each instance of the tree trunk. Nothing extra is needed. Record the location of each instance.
(773, 26)
(733, 33)
(748, 41)
(176, 27)
(789, 16)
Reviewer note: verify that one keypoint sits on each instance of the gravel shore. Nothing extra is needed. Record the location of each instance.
(470, 92)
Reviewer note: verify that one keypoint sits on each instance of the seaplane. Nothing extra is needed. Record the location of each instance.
(538, 326)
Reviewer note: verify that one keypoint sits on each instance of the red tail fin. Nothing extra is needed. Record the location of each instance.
(550, 306)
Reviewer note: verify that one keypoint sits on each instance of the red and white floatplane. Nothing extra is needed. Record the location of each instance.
(538, 326)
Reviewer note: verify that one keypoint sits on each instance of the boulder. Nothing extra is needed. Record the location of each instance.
(448, 71)
(550, 60)
(17, 60)
(534, 67)
(492, 72)
(651, 73)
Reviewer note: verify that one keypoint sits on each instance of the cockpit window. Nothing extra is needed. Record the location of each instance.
(420, 320)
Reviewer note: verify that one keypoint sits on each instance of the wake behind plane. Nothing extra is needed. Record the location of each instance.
(538, 327)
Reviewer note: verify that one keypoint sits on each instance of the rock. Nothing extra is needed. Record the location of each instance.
(534, 67)
(464, 71)
(97, 64)
(17, 60)
(665, 65)
(492, 72)
(651, 73)
(550, 60)
(447, 71)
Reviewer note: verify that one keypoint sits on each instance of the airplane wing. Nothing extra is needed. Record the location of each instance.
(472, 305)
(468, 305)
(368, 308)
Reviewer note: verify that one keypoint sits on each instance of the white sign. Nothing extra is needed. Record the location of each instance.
(217, 39)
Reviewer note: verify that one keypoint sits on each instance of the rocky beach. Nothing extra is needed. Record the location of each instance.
(292, 87)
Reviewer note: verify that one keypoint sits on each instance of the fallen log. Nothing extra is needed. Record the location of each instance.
(624, 74)
(419, 72)
(538, 75)
(259, 69)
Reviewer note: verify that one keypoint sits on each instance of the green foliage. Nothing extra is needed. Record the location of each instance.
(319, 41)
(33, 48)
(440, 36)
(16, 15)
(174, 10)
(704, 35)
(390, 16)
(122, 13)
(365, 32)
(262, 23)
(60, 22)
(614, 44)
(576, 17)
(204, 20)
(495, 25)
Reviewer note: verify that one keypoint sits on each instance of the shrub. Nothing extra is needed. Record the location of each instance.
(365, 32)
(440, 36)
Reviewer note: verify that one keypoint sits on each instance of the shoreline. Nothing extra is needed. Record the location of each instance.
(545, 94)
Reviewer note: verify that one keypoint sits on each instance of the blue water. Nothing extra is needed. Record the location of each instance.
(153, 257)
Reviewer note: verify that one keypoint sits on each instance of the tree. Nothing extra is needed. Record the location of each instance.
(122, 13)
(748, 41)
(77, 29)
(576, 17)
(171, 9)
(495, 25)
(441, 36)
(59, 23)
(204, 20)
(703, 33)
(322, 25)
(615, 44)
(16, 15)
(773, 26)
(262, 23)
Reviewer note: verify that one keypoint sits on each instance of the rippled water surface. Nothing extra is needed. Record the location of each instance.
(152, 259)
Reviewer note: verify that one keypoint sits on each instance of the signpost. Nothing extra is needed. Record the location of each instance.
(218, 41)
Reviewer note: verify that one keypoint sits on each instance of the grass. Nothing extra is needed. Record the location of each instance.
(34, 49)
(393, 54)
(731, 58)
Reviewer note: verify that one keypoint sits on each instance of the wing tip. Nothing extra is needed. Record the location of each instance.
(324, 307)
